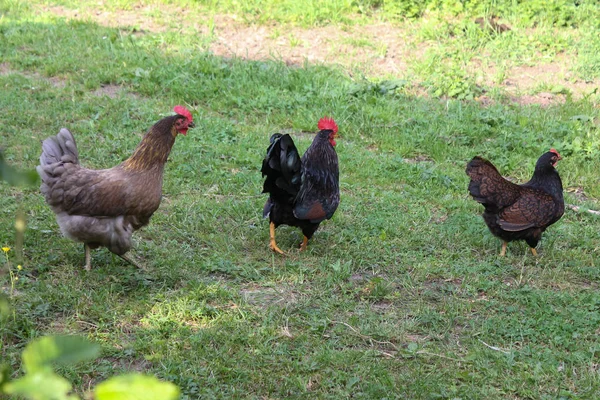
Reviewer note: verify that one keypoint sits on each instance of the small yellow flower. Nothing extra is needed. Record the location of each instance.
(6, 249)
(19, 267)
(16, 278)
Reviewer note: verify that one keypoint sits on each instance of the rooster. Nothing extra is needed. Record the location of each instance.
(518, 212)
(302, 191)
(104, 207)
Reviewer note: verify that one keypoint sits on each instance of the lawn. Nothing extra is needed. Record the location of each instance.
(402, 294)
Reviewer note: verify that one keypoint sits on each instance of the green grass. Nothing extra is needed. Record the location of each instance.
(397, 296)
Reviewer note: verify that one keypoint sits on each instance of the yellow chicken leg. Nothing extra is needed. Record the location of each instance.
(534, 252)
(303, 244)
(272, 243)
(503, 251)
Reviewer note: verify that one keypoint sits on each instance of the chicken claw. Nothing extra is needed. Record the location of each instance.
(272, 243)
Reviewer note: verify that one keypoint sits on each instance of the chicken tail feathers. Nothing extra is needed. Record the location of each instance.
(282, 168)
(488, 187)
(59, 148)
(57, 152)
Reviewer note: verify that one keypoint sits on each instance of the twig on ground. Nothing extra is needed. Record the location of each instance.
(494, 347)
(578, 209)
(441, 356)
(369, 338)
(87, 323)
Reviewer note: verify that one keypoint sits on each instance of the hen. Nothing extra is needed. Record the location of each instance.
(518, 212)
(302, 192)
(104, 207)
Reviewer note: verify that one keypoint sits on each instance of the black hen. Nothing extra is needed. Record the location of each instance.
(302, 192)
(518, 212)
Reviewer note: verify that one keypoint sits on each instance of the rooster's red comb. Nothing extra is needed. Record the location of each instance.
(181, 110)
(554, 151)
(327, 123)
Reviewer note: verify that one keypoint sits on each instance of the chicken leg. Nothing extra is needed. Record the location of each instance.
(272, 243)
(503, 251)
(533, 251)
(303, 244)
(88, 257)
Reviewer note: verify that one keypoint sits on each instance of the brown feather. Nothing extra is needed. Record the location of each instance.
(104, 207)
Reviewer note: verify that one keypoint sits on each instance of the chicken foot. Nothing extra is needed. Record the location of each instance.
(88, 259)
(272, 243)
(503, 251)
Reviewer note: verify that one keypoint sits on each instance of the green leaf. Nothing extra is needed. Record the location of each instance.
(15, 177)
(135, 387)
(41, 385)
(59, 350)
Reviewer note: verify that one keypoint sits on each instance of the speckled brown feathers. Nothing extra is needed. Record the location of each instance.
(518, 212)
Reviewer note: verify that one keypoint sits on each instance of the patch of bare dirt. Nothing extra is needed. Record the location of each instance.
(376, 50)
(4, 69)
(55, 81)
(111, 91)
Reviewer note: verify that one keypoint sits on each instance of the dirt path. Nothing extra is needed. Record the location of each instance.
(379, 50)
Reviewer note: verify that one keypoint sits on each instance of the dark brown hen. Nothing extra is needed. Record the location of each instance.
(518, 212)
(104, 207)
(302, 192)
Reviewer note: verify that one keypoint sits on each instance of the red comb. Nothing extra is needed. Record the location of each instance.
(327, 123)
(181, 110)
(554, 151)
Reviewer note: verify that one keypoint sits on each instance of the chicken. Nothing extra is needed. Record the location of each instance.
(518, 212)
(302, 192)
(104, 207)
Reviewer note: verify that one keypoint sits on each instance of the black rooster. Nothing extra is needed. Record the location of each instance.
(302, 192)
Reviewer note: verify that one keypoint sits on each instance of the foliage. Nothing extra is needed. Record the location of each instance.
(40, 382)
(14, 177)
(135, 387)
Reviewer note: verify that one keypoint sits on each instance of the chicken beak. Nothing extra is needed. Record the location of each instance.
(191, 125)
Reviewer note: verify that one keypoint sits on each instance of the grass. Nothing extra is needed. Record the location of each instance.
(400, 295)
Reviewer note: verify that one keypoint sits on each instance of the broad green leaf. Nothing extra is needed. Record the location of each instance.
(59, 350)
(15, 177)
(135, 387)
(41, 385)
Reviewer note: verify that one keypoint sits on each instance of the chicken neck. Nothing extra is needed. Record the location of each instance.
(154, 149)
